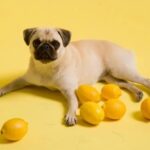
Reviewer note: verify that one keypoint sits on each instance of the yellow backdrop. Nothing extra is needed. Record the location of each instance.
(126, 22)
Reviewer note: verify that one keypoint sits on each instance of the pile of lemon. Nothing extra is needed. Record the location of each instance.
(93, 111)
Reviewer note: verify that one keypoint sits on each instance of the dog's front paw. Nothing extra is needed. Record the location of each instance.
(70, 119)
(2, 92)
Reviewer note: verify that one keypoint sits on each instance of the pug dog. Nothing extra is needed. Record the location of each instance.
(58, 64)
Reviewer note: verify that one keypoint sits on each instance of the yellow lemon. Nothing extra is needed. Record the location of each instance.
(14, 129)
(87, 93)
(111, 91)
(92, 113)
(145, 108)
(114, 109)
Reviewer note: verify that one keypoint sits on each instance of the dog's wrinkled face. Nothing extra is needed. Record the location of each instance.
(46, 45)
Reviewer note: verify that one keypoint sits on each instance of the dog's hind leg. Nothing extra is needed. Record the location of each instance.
(124, 84)
(123, 67)
(132, 75)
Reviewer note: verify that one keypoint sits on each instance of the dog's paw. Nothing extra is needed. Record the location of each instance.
(139, 96)
(2, 92)
(70, 119)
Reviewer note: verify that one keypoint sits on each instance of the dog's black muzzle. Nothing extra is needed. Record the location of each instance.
(45, 52)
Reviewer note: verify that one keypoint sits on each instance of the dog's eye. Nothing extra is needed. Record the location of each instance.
(36, 43)
(56, 44)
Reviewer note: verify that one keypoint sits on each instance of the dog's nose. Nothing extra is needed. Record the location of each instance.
(45, 46)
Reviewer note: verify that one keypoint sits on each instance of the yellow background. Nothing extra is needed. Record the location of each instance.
(126, 22)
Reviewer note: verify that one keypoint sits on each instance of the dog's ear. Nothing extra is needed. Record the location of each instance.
(65, 35)
(27, 34)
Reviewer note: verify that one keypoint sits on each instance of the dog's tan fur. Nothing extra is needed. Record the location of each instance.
(80, 62)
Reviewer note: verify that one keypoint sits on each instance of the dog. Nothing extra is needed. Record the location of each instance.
(58, 64)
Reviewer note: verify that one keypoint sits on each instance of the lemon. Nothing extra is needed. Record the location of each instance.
(92, 113)
(110, 91)
(14, 129)
(145, 108)
(87, 93)
(114, 109)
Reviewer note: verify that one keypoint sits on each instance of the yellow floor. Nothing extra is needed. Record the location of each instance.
(125, 22)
